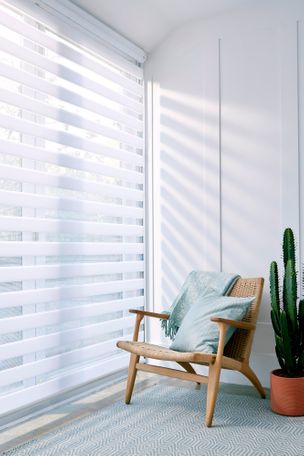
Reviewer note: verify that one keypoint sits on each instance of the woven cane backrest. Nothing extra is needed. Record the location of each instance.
(239, 346)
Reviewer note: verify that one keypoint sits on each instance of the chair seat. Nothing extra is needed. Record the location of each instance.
(163, 353)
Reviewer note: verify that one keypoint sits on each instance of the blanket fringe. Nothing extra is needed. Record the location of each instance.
(170, 329)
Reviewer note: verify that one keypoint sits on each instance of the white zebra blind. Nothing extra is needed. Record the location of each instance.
(71, 209)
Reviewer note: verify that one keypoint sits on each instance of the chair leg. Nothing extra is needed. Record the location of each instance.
(248, 372)
(131, 377)
(213, 384)
(189, 368)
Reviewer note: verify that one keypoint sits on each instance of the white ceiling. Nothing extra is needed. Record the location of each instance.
(148, 22)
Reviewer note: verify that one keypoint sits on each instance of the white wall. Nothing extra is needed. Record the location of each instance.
(225, 96)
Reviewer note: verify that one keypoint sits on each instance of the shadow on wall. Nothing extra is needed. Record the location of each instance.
(189, 189)
(183, 204)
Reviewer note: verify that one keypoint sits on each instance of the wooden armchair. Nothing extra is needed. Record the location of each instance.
(235, 355)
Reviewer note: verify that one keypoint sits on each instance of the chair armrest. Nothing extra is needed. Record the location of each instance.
(149, 314)
(239, 324)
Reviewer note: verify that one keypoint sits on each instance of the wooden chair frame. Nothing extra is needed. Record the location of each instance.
(234, 356)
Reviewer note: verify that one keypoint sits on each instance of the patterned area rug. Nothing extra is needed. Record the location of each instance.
(168, 421)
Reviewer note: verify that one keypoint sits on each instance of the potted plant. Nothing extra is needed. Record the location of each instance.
(287, 316)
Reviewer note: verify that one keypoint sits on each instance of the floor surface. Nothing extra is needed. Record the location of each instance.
(75, 409)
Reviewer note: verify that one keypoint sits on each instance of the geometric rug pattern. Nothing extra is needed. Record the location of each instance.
(168, 421)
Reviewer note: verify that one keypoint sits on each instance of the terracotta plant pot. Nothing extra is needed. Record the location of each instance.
(286, 394)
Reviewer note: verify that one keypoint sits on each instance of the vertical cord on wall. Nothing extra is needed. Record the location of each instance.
(149, 201)
(220, 154)
(300, 172)
(146, 219)
(152, 195)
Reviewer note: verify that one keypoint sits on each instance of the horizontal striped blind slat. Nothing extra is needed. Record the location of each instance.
(69, 161)
(61, 115)
(32, 224)
(59, 316)
(64, 181)
(67, 139)
(67, 204)
(69, 96)
(69, 248)
(53, 363)
(35, 296)
(57, 271)
(56, 339)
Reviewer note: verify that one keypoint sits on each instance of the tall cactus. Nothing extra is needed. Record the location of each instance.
(287, 317)
(289, 250)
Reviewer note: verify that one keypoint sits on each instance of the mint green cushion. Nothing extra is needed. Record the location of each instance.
(198, 333)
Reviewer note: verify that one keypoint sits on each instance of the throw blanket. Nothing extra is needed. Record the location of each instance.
(198, 284)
